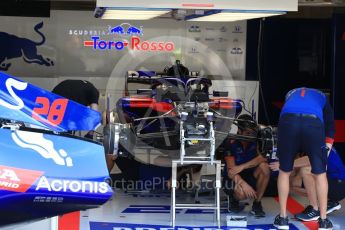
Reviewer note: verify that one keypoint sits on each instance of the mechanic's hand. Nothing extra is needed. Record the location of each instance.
(274, 166)
(248, 191)
(236, 170)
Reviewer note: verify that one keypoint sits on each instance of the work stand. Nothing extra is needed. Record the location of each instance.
(204, 159)
(214, 206)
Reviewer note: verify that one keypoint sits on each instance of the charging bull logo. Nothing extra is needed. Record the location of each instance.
(12, 46)
(117, 30)
(132, 30)
(42, 146)
(126, 29)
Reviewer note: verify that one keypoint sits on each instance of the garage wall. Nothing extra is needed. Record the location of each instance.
(294, 53)
(338, 81)
(212, 48)
(312, 57)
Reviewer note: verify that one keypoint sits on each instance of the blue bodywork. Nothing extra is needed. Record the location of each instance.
(27, 103)
(44, 173)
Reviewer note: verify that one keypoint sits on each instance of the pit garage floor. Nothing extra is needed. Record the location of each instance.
(151, 211)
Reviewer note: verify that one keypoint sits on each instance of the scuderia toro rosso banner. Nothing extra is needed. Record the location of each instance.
(127, 36)
(24, 102)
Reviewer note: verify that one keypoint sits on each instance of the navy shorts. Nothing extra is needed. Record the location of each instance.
(248, 176)
(301, 133)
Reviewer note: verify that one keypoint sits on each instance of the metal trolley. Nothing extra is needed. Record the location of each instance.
(204, 159)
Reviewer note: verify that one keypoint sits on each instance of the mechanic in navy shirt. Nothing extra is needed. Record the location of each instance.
(247, 169)
(336, 183)
(83, 92)
(306, 125)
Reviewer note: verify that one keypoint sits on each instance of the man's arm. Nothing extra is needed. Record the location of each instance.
(89, 134)
(254, 162)
(230, 163)
(94, 106)
(237, 179)
(93, 96)
(236, 169)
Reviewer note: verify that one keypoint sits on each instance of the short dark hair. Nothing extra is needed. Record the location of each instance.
(246, 121)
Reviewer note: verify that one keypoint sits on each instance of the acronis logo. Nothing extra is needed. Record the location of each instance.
(75, 186)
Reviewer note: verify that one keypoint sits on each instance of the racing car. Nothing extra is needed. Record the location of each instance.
(152, 117)
(45, 171)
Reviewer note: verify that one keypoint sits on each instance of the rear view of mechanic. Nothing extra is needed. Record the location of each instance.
(306, 124)
(336, 185)
(83, 92)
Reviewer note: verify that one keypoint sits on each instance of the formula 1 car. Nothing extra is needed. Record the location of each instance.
(45, 171)
(167, 109)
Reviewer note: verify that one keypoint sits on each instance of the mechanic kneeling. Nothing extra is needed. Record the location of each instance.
(246, 169)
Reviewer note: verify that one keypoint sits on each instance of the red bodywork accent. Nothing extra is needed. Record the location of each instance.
(140, 102)
(221, 103)
(17, 179)
(303, 93)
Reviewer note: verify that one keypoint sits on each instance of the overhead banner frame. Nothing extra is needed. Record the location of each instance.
(262, 5)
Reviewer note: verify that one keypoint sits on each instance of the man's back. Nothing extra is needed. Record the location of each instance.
(305, 100)
(80, 91)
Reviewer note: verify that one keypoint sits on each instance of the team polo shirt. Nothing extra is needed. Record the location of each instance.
(240, 154)
(314, 102)
(83, 92)
(335, 166)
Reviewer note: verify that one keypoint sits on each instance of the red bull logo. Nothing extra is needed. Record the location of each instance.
(126, 29)
(135, 43)
(13, 47)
